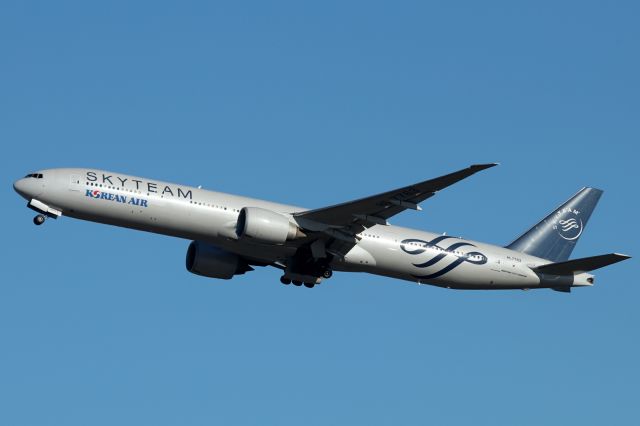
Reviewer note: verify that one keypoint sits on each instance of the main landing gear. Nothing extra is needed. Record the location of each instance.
(308, 283)
(39, 219)
(285, 281)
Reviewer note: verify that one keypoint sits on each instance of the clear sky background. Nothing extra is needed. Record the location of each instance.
(313, 104)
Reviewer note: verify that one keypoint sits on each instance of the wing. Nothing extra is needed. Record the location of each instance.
(333, 231)
(378, 208)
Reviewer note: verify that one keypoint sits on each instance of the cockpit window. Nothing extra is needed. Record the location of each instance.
(34, 175)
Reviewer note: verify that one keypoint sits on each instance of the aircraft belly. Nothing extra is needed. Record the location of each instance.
(481, 277)
(259, 252)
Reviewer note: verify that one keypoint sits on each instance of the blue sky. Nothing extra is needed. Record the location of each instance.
(313, 104)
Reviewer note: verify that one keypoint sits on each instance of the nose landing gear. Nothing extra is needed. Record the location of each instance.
(39, 219)
(44, 211)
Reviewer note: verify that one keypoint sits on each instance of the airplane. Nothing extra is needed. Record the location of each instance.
(231, 235)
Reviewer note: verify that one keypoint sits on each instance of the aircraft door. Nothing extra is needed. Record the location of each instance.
(497, 264)
(74, 183)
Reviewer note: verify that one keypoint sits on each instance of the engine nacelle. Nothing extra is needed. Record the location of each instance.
(266, 226)
(213, 262)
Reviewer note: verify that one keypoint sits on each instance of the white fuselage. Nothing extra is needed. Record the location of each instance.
(207, 216)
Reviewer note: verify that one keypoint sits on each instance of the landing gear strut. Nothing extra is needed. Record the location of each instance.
(39, 219)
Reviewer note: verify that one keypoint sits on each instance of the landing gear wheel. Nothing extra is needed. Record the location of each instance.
(328, 273)
(39, 219)
(297, 283)
(285, 281)
(309, 285)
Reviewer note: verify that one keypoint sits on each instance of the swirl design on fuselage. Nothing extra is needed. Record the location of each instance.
(415, 247)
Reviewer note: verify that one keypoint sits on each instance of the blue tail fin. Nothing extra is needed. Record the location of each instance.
(557, 234)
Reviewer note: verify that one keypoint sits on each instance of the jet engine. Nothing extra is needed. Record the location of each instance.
(266, 226)
(213, 262)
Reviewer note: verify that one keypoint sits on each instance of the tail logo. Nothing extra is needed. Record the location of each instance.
(568, 224)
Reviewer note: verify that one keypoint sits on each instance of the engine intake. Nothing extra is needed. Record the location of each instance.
(266, 226)
(213, 262)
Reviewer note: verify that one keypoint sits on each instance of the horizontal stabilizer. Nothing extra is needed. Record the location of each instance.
(577, 266)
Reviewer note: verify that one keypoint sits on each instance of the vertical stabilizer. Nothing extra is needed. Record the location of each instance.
(557, 234)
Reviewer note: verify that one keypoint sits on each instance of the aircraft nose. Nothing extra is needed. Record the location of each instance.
(28, 188)
(20, 187)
